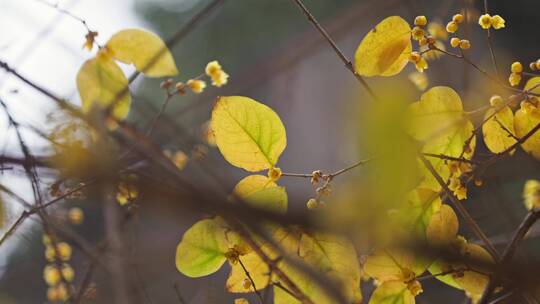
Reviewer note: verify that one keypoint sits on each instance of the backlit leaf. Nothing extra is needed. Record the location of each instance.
(443, 227)
(385, 50)
(392, 292)
(102, 83)
(202, 249)
(499, 130)
(249, 134)
(260, 191)
(143, 49)
(526, 118)
(438, 120)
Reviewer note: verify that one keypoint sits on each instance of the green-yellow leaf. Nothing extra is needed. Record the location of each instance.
(526, 118)
(260, 191)
(443, 227)
(249, 134)
(101, 83)
(499, 130)
(389, 265)
(143, 49)
(258, 271)
(331, 256)
(438, 120)
(385, 50)
(392, 292)
(202, 249)
(416, 214)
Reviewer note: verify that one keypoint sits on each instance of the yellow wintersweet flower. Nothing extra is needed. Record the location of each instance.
(497, 22)
(417, 33)
(197, 86)
(452, 27)
(51, 275)
(516, 67)
(454, 42)
(464, 44)
(213, 68)
(274, 174)
(420, 20)
(220, 79)
(514, 79)
(531, 194)
(485, 21)
(421, 65)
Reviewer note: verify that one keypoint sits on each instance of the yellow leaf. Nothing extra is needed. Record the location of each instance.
(416, 214)
(202, 249)
(443, 227)
(385, 50)
(334, 258)
(101, 83)
(499, 130)
(440, 266)
(249, 134)
(526, 118)
(531, 194)
(474, 281)
(258, 270)
(389, 265)
(392, 292)
(262, 192)
(438, 120)
(143, 49)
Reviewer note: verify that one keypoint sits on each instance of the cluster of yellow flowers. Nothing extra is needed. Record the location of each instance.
(457, 169)
(216, 73)
(487, 21)
(453, 27)
(515, 76)
(58, 272)
(127, 192)
(419, 61)
(419, 34)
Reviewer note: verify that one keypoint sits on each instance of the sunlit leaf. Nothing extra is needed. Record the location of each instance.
(499, 131)
(101, 83)
(249, 134)
(260, 191)
(443, 227)
(526, 118)
(202, 249)
(395, 264)
(392, 292)
(438, 120)
(143, 49)
(258, 271)
(385, 50)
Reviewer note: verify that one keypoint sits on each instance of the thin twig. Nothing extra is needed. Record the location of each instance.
(253, 286)
(337, 50)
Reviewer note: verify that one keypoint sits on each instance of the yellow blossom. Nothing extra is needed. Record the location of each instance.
(514, 79)
(420, 20)
(68, 273)
(64, 251)
(464, 44)
(312, 204)
(51, 275)
(452, 27)
(415, 57)
(421, 65)
(516, 67)
(274, 174)
(496, 100)
(75, 216)
(415, 287)
(531, 194)
(485, 21)
(213, 68)
(454, 42)
(417, 33)
(220, 79)
(457, 18)
(497, 22)
(197, 86)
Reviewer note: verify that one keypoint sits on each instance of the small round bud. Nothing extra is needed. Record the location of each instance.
(454, 42)
(64, 251)
(478, 182)
(68, 273)
(532, 66)
(516, 67)
(421, 65)
(51, 275)
(464, 44)
(537, 63)
(485, 21)
(246, 283)
(46, 240)
(423, 41)
(50, 253)
(62, 291)
(420, 20)
(431, 40)
(514, 79)
(166, 84)
(274, 174)
(180, 88)
(312, 204)
(457, 18)
(75, 216)
(496, 100)
(52, 294)
(452, 27)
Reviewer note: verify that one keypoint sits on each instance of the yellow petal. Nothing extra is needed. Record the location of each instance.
(143, 49)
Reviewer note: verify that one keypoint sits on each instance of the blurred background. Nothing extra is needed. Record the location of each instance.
(274, 55)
